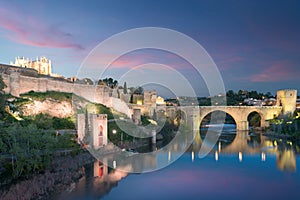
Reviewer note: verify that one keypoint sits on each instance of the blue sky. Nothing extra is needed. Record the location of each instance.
(255, 44)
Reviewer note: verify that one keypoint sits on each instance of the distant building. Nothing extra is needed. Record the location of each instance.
(160, 101)
(254, 102)
(42, 65)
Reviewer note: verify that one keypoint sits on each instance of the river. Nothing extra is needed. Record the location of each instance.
(241, 166)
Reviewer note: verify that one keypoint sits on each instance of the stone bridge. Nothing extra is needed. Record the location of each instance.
(193, 115)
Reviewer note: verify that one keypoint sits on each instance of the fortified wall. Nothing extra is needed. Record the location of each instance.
(287, 99)
(18, 84)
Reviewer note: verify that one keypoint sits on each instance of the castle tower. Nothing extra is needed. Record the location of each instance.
(287, 99)
(99, 130)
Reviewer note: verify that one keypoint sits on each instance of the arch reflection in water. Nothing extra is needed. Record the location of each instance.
(244, 143)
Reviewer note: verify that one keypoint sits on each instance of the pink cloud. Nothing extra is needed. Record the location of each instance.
(278, 71)
(30, 31)
(227, 63)
(135, 59)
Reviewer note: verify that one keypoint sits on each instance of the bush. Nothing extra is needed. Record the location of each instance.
(41, 96)
(63, 123)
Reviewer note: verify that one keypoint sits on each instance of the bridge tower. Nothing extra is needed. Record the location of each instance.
(287, 99)
(99, 129)
(95, 126)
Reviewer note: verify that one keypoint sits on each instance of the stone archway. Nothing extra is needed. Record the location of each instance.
(254, 119)
(180, 117)
(204, 111)
(221, 117)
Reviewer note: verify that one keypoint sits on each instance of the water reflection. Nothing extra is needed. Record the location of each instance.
(98, 180)
(232, 147)
(244, 142)
(286, 160)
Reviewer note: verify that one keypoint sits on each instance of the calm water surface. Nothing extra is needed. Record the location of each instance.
(242, 166)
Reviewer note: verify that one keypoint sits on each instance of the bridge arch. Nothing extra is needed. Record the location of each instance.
(220, 116)
(207, 110)
(181, 116)
(240, 114)
(262, 116)
(254, 118)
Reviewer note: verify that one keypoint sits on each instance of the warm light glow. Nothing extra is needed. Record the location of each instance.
(219, 146)
(275, 143)
(193, 156)
(114, 131)
(240, 156)
(114, 164)
(263, 156)
(160, 101)
(139, 102)
(152, 121)
(169, 156)
(216, 156)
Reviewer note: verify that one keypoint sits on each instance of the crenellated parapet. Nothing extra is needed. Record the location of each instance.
(287, 99)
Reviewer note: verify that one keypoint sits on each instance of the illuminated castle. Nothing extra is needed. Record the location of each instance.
(42, 65)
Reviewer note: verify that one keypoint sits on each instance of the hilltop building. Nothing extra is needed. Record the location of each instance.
(42, 64)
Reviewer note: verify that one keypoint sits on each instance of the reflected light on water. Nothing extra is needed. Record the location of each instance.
(216, 156)
(240, 156)
(169, 156)
(193, 156)
(263, 156)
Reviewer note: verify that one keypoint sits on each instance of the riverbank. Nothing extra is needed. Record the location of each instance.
(64, 171)
(293, 138)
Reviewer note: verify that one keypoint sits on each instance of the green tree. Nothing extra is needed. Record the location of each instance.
(108, 82)
(138, 90)
(268, 95)
(230, 94)
(2, 97)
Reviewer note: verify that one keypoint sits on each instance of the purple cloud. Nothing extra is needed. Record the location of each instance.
(34, 32)
(277, 71)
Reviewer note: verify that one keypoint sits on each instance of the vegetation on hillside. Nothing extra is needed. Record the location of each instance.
(27, 146)
(2, 97)
(234, 98)
(29, 149)
(287, 125)
(42, 96)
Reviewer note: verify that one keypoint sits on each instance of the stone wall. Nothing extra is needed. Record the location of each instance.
(287, 99)
(18, 84)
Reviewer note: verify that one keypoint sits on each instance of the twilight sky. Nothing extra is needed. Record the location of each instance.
(255, 44)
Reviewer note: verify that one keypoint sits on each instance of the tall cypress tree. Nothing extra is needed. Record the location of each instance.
(125, 88)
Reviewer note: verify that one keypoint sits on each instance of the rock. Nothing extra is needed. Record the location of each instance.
(49, 106)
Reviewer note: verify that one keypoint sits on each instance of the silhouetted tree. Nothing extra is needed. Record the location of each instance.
(125, 88)
(108, 82)
(138, 90)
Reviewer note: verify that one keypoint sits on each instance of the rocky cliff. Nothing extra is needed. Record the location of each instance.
(49, 106)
